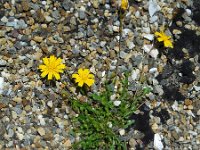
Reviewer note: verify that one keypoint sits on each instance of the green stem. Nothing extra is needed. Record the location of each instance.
(120, 37)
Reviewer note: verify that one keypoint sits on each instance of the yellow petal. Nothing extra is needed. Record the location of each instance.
(46, 61)
(124, 4)
(160, 39)
(61, 66)
(86, 72)
(89, 82)
(80, 71)
(56, 75)
(168, 43)
(158, 34)
(42, 67)
(52, 59)
(44, 74)
(58, 61)
(50, 75)
(75, 75)
(91, 76)
(80, 84)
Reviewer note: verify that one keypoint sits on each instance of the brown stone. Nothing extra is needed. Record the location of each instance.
(188, 102)
(25, 5)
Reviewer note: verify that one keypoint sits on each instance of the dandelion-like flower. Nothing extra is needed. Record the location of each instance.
(161, 36)
(52, 67)
(124, 5)
(83, 77)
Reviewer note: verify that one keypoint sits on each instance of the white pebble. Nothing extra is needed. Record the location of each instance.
(117, 103)
(153, 70)
(149, 37)
(1, 85)
(116, 28)
(154, 53)
(4, 19)
(158, 145)
(121, 132)
(135, 74)
(137, 14)
(50, 104)
(189, 12)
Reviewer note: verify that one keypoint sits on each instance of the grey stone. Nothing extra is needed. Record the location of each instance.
(89, 32)
(82, 15)
(122, 54)
(18, 45)
(55, 14)
(67, 4)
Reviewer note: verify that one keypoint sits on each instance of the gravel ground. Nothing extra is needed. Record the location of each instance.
(85, 33)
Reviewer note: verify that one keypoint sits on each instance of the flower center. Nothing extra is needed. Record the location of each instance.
(51, 67)
(84, 77)
(165, 38)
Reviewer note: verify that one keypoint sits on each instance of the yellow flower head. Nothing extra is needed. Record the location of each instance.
(124, 4)
(83, 76)
(161, 36)
(52, 67)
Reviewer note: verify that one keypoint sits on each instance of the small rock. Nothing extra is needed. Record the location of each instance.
(122, 132)
(48, 18)
(50, 104)
(4, 19)
(188, 102)
(149, 37)
(38, 39)
(132, 143)
(67, 4)
(116, 28)
(95, 3)
(154, 53)
(20, 136)
(198, 112)
(158, 145)
(153, 7)
(17, 99)
(117, 103)
(154, 127)
(175, 135)
(130, 44)
(190, 107)
(82, 15)
(153, 70)
(41, 131)
(135, 74)
(122, 54)
(67, 143)
(2, 83)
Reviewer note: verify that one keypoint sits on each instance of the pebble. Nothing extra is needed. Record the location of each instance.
(132, 142)
(4, 19)
(41, 131)
(149, 36)
(82, 15)
(153, 70)
(198, 112)
(153, 7)
(67, 5)
(50, 104)
(122, 132)
(117, 103)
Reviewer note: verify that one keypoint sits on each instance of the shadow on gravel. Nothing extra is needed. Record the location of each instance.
(186, 47)
(142, 124)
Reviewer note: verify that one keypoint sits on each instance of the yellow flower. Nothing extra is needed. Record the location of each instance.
(166, 39)
(83, 76)
(124, 4)
(52, 67)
